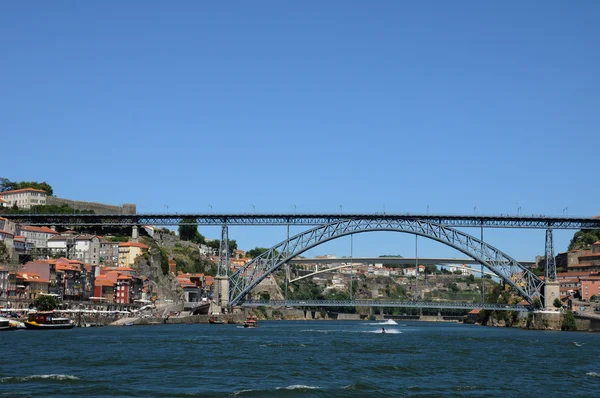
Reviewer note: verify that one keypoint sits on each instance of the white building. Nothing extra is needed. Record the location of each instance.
(38, 235)
(85, 248)
(464, 270)
(410, 272)
(24, 198)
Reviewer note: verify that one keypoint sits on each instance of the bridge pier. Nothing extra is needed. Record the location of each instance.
(551, 292)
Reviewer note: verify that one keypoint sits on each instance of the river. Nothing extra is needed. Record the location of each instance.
(299, 359)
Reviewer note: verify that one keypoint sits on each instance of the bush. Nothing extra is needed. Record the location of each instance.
(568, 323)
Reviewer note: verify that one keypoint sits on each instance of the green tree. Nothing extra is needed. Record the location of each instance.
(7, 185)
(4, 254)
(584, 239)
(45, 303)
(215, 244)
(557, 303)
(257, 251)
(568, 323)
(537, 304)
(188, 229)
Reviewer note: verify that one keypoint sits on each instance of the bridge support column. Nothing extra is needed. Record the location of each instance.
(551, 286)
(135, 234)
(224, 252)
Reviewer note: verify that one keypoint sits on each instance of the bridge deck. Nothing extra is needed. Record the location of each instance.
(452, 220)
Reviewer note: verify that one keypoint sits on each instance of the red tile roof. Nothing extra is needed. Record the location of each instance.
(23, 190)
(38, 229)
(133, 244)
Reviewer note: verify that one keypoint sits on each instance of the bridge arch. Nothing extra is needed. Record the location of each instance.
(512, 272)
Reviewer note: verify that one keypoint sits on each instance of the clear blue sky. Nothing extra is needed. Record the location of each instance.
(451, 105)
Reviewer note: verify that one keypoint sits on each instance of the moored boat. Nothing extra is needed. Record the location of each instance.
(46, 320)
(251, 322)
(5, 324)
(215, 321)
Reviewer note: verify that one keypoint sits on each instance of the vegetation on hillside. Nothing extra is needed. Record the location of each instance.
(45, 209)
(8, 185)
(4, 254)
(189, 231)
(583, 240)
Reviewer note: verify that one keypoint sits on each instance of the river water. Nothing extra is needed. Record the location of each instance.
(299, 359)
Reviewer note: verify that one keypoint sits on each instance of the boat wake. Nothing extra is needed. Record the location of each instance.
(388, 322)
(593, 374)
(18, 379)
(387, 331)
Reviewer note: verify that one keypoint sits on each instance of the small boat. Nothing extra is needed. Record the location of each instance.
(128, 324)
(5, 324)
(215, 321)
(47, 321)
(251, 322)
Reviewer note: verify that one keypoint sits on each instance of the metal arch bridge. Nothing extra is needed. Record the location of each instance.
(523, 280)
(385, 303)
(232, 219)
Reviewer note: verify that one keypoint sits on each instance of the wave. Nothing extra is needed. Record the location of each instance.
(593, 374)
(298, 387)
(260, 393)
(20, 379)
(578, 344)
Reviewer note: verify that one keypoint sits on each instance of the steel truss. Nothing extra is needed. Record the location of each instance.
(223, 269)
(550, 259)
(385, 303)
(458, 221)
(512, 272)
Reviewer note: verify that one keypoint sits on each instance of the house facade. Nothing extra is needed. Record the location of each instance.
(24, 198)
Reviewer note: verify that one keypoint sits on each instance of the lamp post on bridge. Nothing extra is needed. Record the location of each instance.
(518, 208)
(566, 211)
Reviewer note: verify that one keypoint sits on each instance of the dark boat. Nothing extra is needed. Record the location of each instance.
(215, 321)
(47, 321)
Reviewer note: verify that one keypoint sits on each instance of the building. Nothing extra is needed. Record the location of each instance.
(3, 203)
(109, 252)
(85, 248)
(38, 236)
(129, 251)
(34, 284)
(589, 287)
(24, 198)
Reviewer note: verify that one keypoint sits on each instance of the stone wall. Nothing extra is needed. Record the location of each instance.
(98, 208)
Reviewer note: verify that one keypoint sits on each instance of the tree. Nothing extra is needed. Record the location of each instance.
(537, 304)
(4, 253)
(584, 239)
(45, 303)
(568, 323)
(430, 269)
(257, 251)
(7, 185)
(557, 303)
(215, 244)
(188, 229)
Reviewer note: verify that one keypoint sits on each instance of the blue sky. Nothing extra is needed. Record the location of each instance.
(460, 106)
